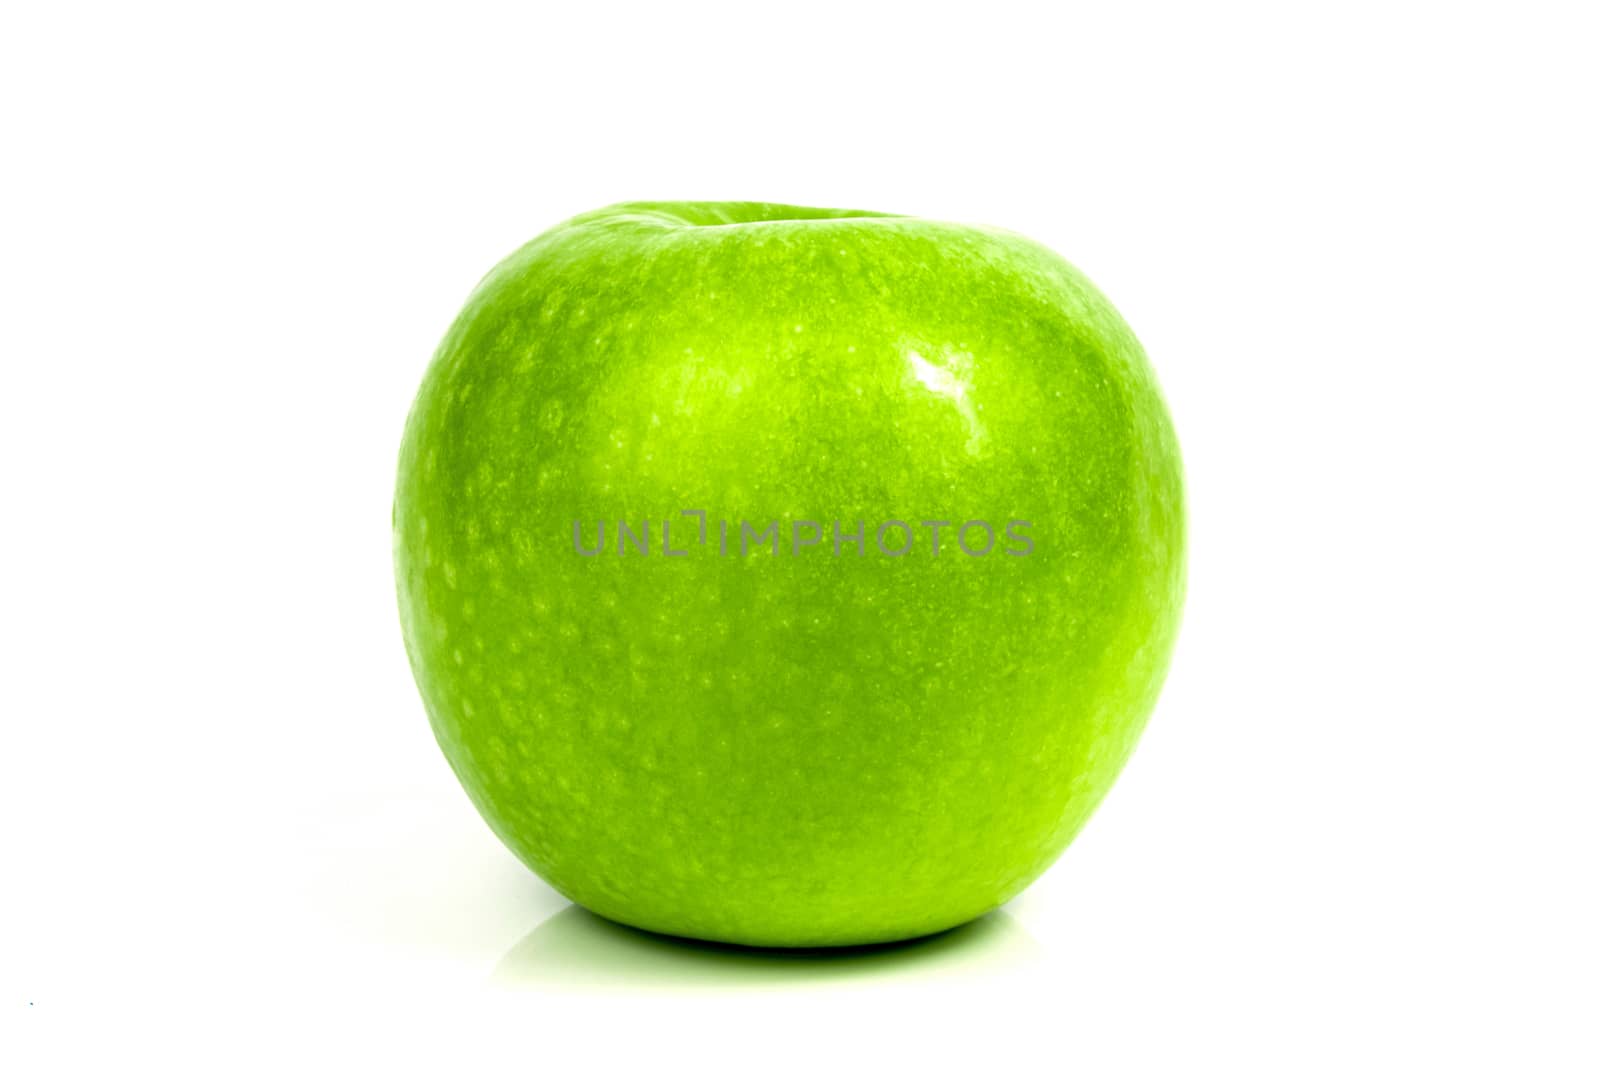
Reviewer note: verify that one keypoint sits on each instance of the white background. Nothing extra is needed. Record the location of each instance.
(1358, 241)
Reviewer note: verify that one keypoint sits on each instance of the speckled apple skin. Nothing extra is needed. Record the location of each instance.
(794, 750)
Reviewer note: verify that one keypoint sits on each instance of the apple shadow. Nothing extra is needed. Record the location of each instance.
(576, 948)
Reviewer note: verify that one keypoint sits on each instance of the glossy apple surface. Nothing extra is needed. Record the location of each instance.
(791, 741)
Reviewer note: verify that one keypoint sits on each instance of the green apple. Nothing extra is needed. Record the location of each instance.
(788, 576)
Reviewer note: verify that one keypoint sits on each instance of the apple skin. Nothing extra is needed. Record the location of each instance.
(795, 749)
